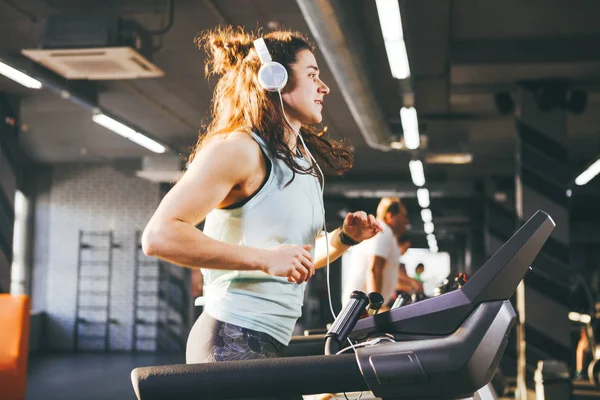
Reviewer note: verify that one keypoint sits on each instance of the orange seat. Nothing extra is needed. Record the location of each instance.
(14, 346)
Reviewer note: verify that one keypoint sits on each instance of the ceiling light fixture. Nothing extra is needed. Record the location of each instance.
(423, 197)
(128, 133)
(416, 172)
(19, 76)
(428, 227)
(426, 215)
(410, 126)
(588, 174)
(393, 37)
(449, 158)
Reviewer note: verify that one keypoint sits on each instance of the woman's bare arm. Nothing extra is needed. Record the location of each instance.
(171, 233)
(336, 248)
(358, 226)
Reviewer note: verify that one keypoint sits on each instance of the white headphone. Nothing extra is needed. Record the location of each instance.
(272, 75)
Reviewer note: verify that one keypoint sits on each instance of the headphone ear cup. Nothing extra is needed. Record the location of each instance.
(272, 76)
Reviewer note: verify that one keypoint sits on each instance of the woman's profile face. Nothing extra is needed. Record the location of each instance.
(304, 93)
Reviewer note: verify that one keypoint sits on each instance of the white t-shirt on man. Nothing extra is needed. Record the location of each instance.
(384, 245)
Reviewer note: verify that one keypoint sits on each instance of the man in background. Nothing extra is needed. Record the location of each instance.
(405, 286)
(374, 262)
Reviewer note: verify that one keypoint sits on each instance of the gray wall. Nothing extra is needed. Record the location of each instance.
(70, 198)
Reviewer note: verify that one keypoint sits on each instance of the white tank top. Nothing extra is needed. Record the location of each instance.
(276, 214)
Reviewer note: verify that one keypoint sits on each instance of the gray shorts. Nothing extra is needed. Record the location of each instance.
(211, 340)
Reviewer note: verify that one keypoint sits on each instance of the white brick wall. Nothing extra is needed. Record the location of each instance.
(93, 198)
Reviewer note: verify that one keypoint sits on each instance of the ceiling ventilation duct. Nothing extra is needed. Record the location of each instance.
(95, 47)
(332, 32)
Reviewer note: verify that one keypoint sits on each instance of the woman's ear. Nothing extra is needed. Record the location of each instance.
(388, 217)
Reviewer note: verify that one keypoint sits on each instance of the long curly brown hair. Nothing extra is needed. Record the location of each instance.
(240, 103)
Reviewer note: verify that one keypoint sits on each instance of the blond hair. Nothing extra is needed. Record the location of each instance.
(388, 204)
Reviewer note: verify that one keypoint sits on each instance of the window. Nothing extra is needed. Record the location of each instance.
(437, 267)
(19, 273)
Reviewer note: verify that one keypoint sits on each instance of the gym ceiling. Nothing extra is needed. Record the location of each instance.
(466, 59)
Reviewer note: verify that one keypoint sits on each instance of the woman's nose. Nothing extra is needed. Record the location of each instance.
(324, 88)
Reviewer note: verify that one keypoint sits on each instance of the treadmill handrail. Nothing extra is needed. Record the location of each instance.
(249, 378)
(499, 277)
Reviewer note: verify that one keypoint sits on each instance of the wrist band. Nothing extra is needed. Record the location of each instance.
(345, 239)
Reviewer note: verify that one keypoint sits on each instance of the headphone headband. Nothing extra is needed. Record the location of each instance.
(262, 50)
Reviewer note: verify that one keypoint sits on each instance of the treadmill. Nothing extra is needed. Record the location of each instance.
(446, 347)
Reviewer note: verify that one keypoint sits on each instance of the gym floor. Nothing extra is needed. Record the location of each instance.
(89, 376)
(99, 376)
(584, 390)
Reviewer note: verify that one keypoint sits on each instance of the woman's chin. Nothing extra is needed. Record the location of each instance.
(316, 119)
(312, 119)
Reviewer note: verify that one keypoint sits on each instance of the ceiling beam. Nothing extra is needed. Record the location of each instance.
(426, 33)
(588, 85)
(374, 189)
(526, 50)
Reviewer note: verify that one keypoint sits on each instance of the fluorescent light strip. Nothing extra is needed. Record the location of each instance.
(391, 29)
(428, 227)
(389, 19)
(128, 133)
(416, 172)
(449, 158)
(588, 174)
(410, 126)
(423, 197)
(426, 215)
(19, 76)
(148, 143)
(113, 125)
(576, 317)
(398, 59)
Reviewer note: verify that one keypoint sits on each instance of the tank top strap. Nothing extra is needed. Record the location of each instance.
(263, 146)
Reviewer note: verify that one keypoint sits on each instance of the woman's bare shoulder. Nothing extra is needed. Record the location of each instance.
(236, 150)
(234, 142)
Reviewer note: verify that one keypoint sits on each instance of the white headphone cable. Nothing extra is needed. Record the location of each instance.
(321, 198)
